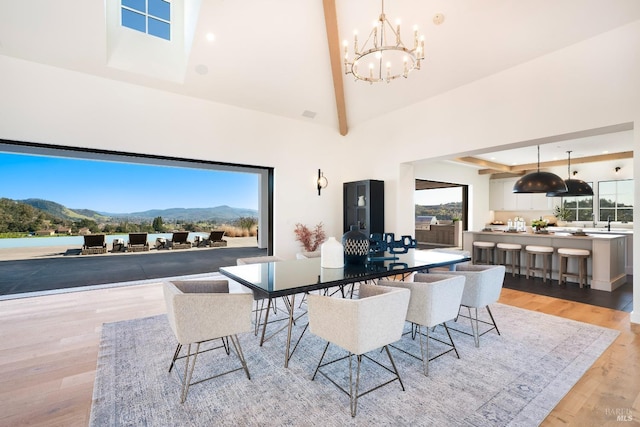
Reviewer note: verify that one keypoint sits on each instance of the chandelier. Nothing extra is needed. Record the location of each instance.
(383, 55)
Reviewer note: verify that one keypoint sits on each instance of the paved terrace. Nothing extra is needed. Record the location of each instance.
(42, 269)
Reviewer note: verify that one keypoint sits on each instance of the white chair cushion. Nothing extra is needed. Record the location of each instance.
(571, 251)
(433, 301)
(484, 244)
(482, 286)
(360, 325)
(202, 310)
(509, 246)
(539, 249)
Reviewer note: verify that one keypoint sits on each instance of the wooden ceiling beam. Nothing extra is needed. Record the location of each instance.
(333, 39)
(493, 168)
(480, 162)
(576, 161)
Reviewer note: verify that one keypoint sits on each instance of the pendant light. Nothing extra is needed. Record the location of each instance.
(575, 187)
(540, 182)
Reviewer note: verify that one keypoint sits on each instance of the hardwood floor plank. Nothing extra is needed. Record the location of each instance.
(49, 348)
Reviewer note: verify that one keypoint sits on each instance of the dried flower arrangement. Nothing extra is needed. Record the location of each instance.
(310, 240)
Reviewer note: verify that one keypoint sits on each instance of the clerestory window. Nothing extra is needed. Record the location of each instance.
(152, 17)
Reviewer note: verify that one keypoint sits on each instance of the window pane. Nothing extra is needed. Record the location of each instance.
(585, 215)
(605, 213)
(133, 20)
(585, 203)
(160, 9)
(625, 186)
(606, 187)
(159, 29)
(625, 215)
(138, 5)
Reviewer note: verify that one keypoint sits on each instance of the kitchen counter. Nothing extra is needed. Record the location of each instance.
(606, 267)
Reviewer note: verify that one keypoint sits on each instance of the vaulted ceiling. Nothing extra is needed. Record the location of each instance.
(274, 55)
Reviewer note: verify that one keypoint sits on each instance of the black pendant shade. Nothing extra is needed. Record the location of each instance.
(575, 187)
(540, 182)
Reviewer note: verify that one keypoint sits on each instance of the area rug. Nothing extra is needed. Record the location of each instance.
(512, 379)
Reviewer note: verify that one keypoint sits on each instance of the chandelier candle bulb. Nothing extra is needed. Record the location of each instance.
(384, 47)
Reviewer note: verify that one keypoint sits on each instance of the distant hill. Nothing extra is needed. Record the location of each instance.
(219, 213)
(445, 211)
(59, 211)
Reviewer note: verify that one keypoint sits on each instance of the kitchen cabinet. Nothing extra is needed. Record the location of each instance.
(502, 198)
(363, 205)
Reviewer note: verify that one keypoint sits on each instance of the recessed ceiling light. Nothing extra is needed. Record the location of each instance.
(605, 152)
(492, 158)
(309, 114)
(211, 37)
(202, 69)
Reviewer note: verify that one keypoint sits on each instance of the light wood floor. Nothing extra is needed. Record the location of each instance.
(49, 347)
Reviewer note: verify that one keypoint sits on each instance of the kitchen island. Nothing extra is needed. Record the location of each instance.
(605, 268)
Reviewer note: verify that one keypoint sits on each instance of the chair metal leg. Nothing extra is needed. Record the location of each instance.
(320, 362)
(493, 320)
(175, 356)
(188, 373)
(236, 344)
(353, 393)
(225, 344)
(451, 339)
(424, 350)
(475, 329)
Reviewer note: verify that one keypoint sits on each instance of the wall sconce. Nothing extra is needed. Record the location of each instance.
(322, 181)
(617, 169)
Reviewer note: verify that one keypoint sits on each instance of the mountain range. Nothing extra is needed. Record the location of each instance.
(219, 213)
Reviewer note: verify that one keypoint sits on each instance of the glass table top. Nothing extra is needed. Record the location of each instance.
(294, 276)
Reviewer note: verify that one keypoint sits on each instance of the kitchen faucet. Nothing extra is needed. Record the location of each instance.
(609, 223)
(593, 217)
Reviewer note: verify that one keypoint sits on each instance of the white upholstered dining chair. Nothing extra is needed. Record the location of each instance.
(435, 300)
(374, 320)
(202, 311)
(482, 287)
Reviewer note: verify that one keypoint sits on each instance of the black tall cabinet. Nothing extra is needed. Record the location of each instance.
(363, 203)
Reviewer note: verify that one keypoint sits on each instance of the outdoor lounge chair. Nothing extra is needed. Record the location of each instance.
(94, 244)
(215, 239)
(137, 242)
(179, 240)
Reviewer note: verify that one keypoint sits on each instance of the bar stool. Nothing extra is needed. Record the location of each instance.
(582, 255)
(483, 247)
(546, 252)
(509, 248)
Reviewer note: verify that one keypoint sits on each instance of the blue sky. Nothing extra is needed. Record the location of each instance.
(122, 187)
(438, 196)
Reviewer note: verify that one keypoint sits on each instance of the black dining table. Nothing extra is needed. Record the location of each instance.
(287, 278)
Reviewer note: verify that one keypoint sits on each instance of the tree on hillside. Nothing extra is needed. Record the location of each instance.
(246, 222)
(158, 225)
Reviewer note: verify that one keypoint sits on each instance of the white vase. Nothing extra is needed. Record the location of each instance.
(331, 254)
(361, 201)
